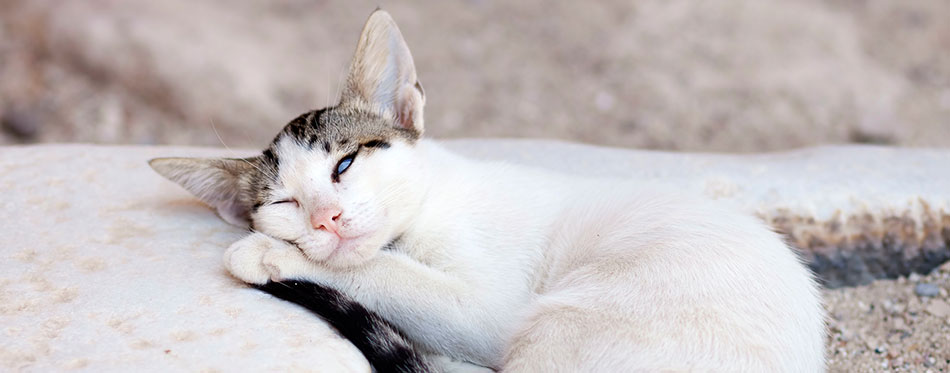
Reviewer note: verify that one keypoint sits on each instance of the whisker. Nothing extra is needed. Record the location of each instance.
(340, 82)
(231, 151)
(391, 193)
(329, 92)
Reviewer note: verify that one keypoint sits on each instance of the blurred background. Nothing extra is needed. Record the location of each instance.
(724, 75)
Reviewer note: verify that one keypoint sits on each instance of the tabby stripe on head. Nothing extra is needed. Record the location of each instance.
(313, 140)
(271, 157)
(376, 144)
(386, 349)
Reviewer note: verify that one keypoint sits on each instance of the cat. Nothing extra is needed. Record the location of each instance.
(430, 261)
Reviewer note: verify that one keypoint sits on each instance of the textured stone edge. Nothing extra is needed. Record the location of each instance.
(857, 248)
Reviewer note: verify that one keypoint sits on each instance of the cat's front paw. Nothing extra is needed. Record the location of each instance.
(293, 264)
(259, 258)
(245, 258)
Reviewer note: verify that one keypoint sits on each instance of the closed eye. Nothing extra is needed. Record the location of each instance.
(284, 201)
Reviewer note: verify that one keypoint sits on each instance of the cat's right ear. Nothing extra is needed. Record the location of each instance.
(215, 181)
(383, 76)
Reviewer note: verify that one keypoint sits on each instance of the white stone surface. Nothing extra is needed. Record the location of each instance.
(816, 181)
(105, 266)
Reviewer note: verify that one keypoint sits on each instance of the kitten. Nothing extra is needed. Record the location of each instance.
(417, 254)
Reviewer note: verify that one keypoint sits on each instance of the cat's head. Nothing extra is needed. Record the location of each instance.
(339, 182)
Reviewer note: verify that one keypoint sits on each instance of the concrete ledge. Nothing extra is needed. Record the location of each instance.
(107, 266)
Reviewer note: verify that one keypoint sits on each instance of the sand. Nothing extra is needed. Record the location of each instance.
(887, 326)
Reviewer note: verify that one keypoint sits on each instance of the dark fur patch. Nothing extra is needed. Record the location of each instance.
(347, 127)
(271, 157)
(386, 349)
(344, 127)
(376, 144)
(339, 130)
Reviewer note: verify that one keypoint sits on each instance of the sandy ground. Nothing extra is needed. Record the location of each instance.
(891, 325)
(725, 75)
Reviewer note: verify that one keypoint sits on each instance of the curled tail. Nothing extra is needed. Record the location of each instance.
(382, 344)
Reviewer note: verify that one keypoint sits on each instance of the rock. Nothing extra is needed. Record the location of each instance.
(887, 306)
(146, 231)
(900, 324)
(914, 277)
(927, 290)
(896, 361)
(844, 335)
(149, 231)
(899, 308)
(938, 308)
(19, 124)
(930, 361)
(893, 307)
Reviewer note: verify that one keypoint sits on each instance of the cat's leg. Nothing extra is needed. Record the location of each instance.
(383, 346)
(434, 308)
(443, 312)
(450, 365)
(578, 337)
(553, 340)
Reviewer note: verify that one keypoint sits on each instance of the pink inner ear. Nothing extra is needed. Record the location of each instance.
(405, 105)
(232, 213)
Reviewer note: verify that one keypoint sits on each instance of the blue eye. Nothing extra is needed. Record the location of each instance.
(344, 164)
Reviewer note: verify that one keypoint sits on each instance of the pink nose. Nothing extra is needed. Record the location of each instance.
(326, 219)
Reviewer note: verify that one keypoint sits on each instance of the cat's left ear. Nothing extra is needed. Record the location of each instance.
(383, 75)
(215, 181)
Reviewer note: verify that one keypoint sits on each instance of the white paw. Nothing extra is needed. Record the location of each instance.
(289, 264)
(245, 258)
(259, 258)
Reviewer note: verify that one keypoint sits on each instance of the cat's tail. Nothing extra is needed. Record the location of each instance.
(386, 349)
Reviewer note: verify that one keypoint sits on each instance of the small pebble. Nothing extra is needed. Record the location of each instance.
(927, 290)
(900, 324)
(930, 361)
(938, 308)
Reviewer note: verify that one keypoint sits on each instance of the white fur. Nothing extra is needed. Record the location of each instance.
(520, 269)
(373, 194)
(525, 270)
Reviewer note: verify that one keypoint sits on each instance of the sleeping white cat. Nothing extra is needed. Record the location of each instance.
(499, 265)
